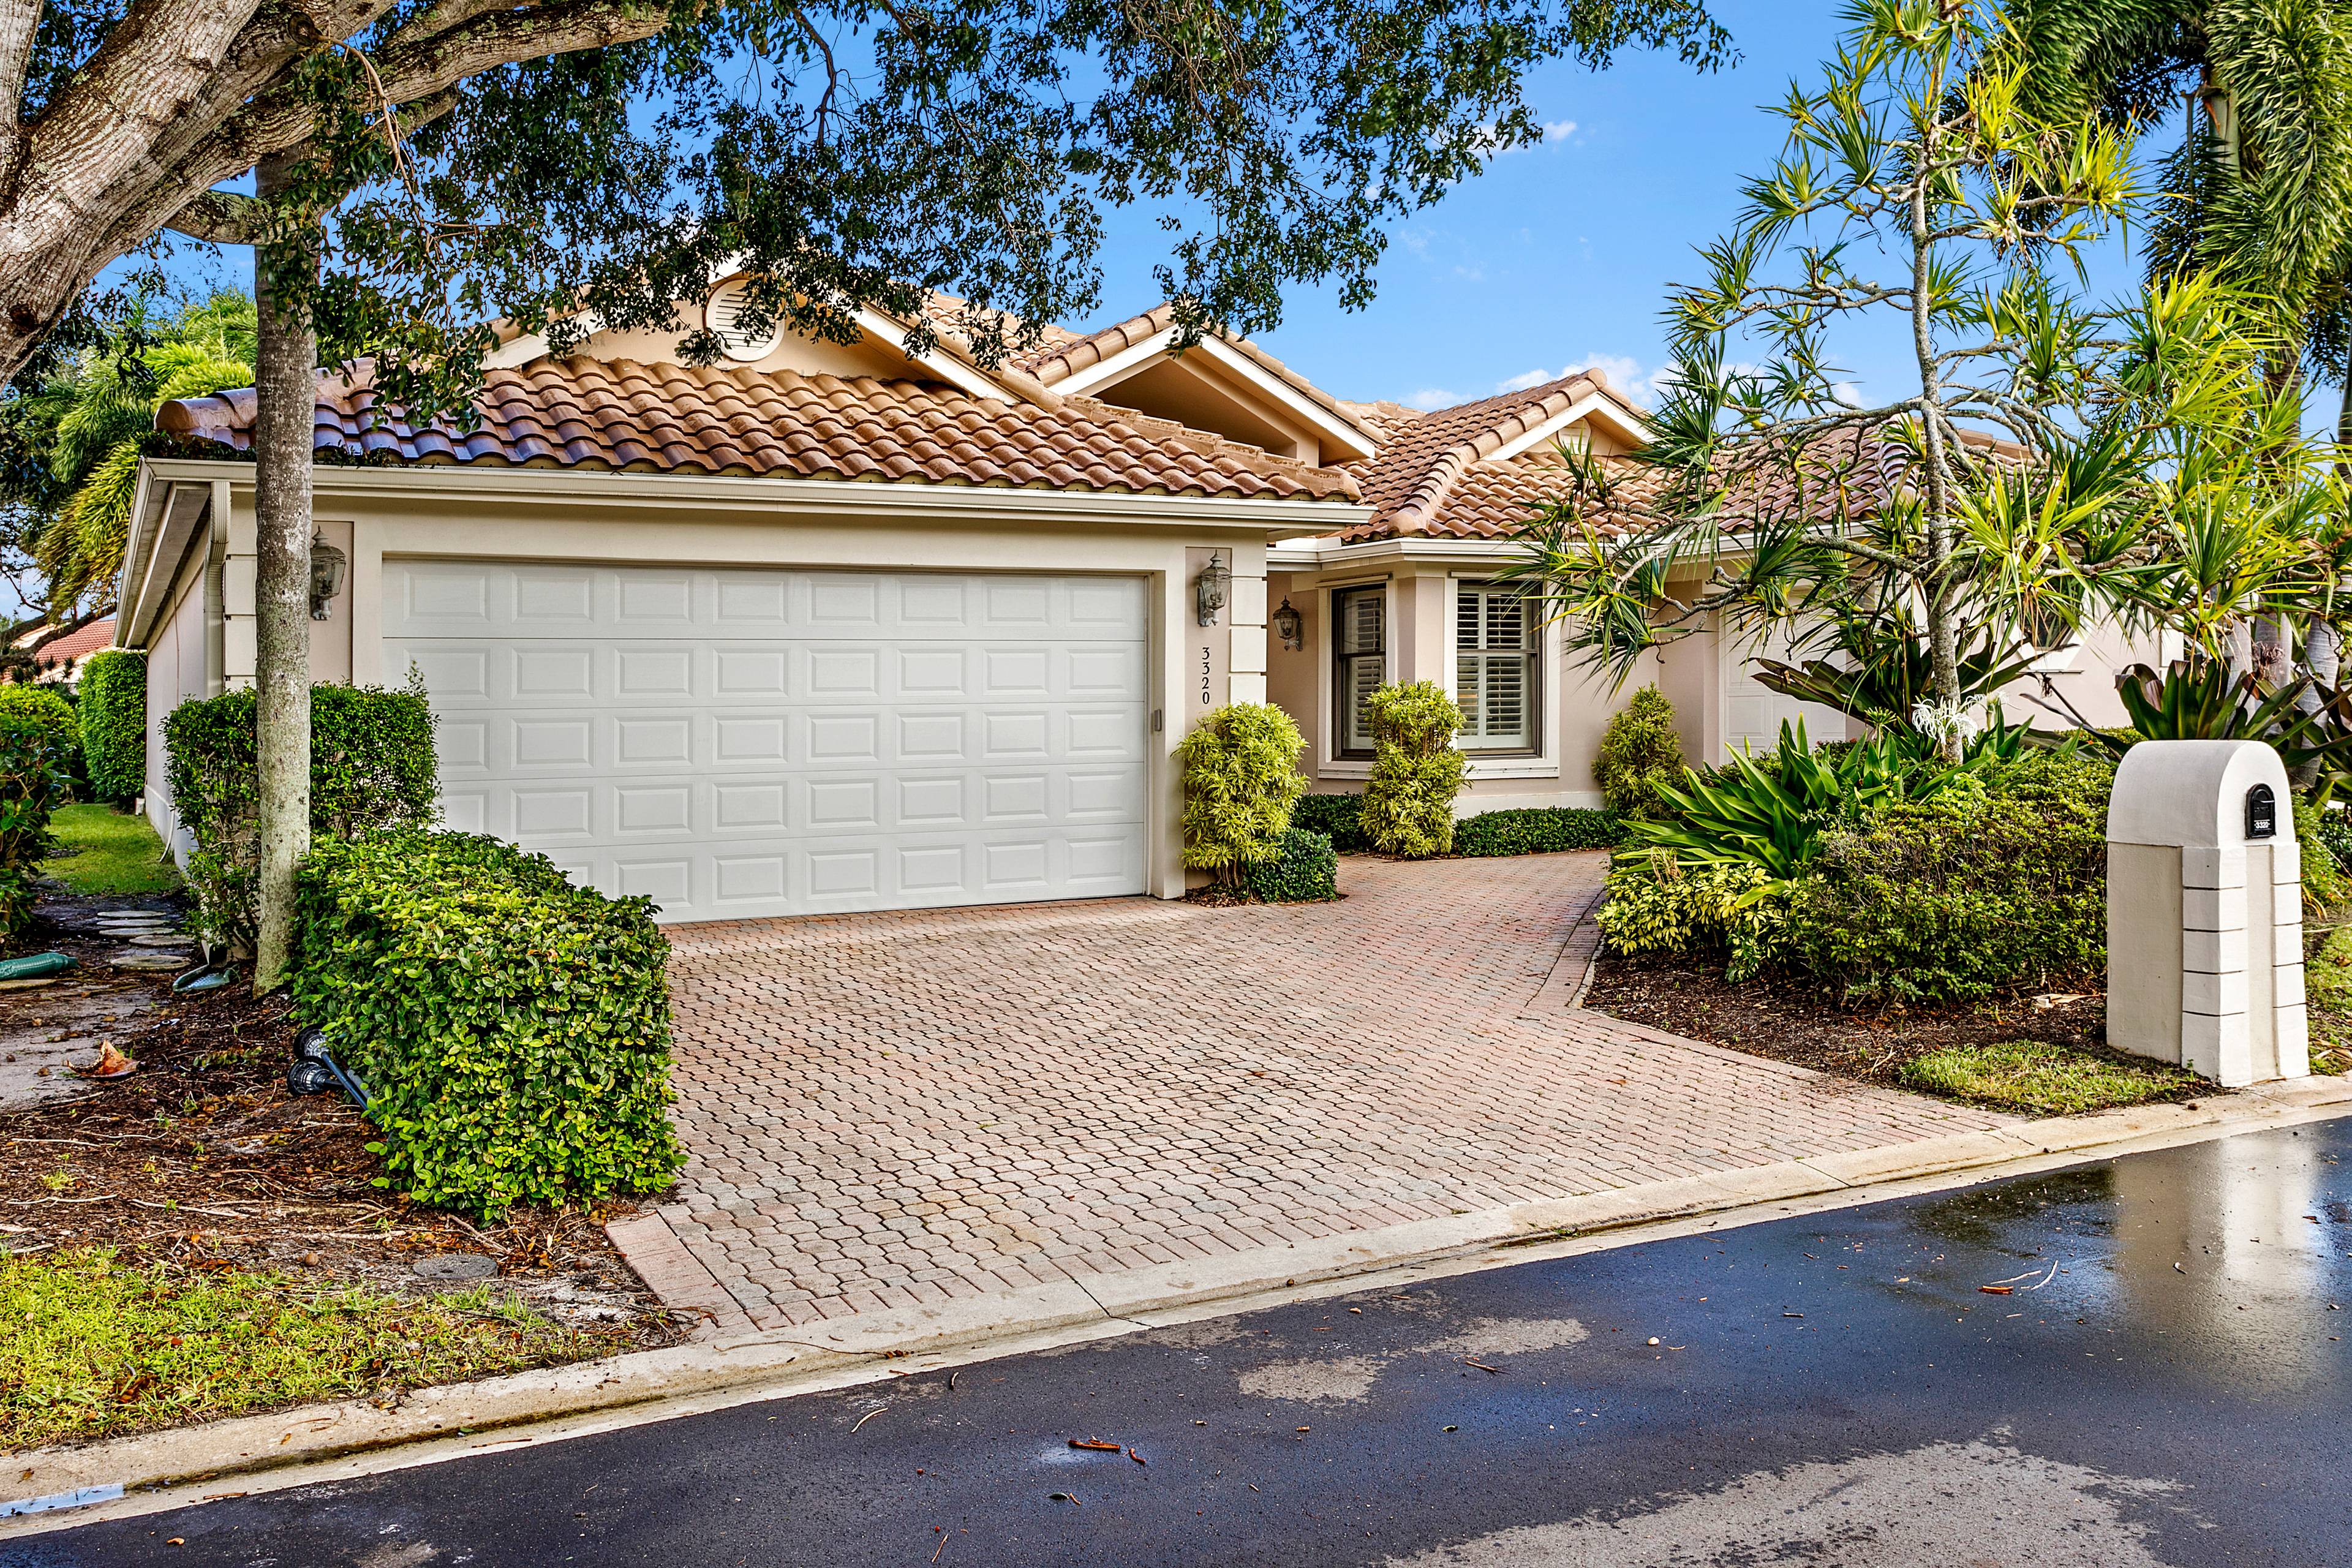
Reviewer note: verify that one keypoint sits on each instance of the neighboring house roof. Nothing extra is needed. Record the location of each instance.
(622, 414)
(65, 655)
(1468, 471)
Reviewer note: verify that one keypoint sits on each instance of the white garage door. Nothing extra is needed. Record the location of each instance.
(737, 743)
(1754, 713)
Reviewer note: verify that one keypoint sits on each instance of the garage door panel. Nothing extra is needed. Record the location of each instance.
(735, 743)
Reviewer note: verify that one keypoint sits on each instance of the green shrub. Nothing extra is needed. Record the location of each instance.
(1639, 751)
(47, 706)
(114, 723)
(1653, 904)
(512, 1031)
(1998, 880)
(1338, 818)
(2325, 884)
(1241, 778)
(1407, 801)
(33, 783)
(1307, 871)
(1536, 830)
(372, 766)
(2335, 832)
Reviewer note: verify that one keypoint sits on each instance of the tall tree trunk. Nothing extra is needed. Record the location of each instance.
(285, 388)
(1938, 589)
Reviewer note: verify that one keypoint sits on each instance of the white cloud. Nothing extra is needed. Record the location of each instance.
(1526, 379)
(1558, 130)
(1848, 393)
(1430, 397)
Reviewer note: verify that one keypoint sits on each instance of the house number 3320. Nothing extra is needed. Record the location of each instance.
(1207, 666)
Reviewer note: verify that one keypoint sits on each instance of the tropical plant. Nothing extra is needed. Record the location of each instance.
(1240, 779)
(1793, 496)
(1881, 670)
(1639, 750)
(1769, 811)
(1408, 803)
(77, 435)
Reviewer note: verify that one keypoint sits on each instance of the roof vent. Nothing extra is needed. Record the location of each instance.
(724, 312)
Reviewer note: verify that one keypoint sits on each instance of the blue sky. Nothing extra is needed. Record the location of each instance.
(1560, 255)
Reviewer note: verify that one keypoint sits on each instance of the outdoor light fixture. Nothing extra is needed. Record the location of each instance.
(1290, 627)
(1215, 578)
(327, 566)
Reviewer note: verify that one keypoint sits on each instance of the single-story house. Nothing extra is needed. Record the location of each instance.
(827, 627)
(60, 662)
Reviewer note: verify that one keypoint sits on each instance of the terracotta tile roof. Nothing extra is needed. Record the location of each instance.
(74, 645)
(1434, 475)
(624, 416)
(1431, 475)
(1055, 361)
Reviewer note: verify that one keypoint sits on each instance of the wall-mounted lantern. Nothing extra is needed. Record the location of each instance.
(1214, 580)
(1290, 627)
(327, 567)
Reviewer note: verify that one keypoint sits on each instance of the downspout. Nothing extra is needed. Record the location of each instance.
(216, 593)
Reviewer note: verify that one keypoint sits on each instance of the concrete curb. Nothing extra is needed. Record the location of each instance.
(46, 1483)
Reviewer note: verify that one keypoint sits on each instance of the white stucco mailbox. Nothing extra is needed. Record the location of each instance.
(2205, 911)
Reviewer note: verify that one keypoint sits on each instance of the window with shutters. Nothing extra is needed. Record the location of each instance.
(1494, 641)
(1359, 665)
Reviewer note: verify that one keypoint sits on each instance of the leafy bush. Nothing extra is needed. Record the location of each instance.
(512, 1030)
(46, 705)
(33, 783)
(2334, 831)
(2325, 884)
(372, 766)
(114, 723)
(1241, 778)
(1639, 751)
(1407, 801)
(1338, 817)
(1307, 871)
(1998, 880)
(1536, 830)
(1656, 905)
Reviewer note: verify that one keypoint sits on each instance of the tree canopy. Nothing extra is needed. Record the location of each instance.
(565, 161)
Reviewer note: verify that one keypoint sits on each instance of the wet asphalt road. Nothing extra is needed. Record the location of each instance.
(2166, 1383)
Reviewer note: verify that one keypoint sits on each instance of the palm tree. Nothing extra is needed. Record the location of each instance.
(2259, 189)
(81, 430)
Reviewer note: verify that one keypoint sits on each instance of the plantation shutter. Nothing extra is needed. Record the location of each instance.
(1493, 670)
(1361, 659)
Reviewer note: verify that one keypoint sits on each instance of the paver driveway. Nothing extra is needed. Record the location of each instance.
(897, 1108)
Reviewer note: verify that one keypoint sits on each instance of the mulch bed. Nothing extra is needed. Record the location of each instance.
(203, 1159)
(1809, 1025)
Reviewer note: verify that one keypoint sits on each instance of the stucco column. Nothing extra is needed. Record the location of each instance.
(2205, 911)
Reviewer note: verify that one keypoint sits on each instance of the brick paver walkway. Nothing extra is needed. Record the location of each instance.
(895, 1109)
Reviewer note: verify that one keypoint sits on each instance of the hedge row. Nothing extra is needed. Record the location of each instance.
(33, 783)
(512, 1030)
(372, 766)
(1305, 871)
(114, 722)
(1517, 830)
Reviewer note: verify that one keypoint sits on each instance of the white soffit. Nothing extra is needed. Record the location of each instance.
(1596, 405)
(1256, 380)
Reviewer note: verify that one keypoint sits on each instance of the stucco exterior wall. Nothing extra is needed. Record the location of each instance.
(178, 667)
(376, 515)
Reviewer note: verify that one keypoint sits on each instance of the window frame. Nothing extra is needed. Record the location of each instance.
(1530, 743)
(1343, 711)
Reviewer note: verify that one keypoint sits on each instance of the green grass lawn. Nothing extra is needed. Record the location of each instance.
(96, 1349)
(2043, 1079)
(113, 853)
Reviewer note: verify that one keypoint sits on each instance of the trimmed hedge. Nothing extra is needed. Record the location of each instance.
(372, 766)
(33, 783)
(1639, 751)
(114, 722)
(1307, 871)
(1992, 883)
(1338, 818)
(1536, 830)
(48, 706)
(1407, 801)
(512, 1030)
(1240, 777)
